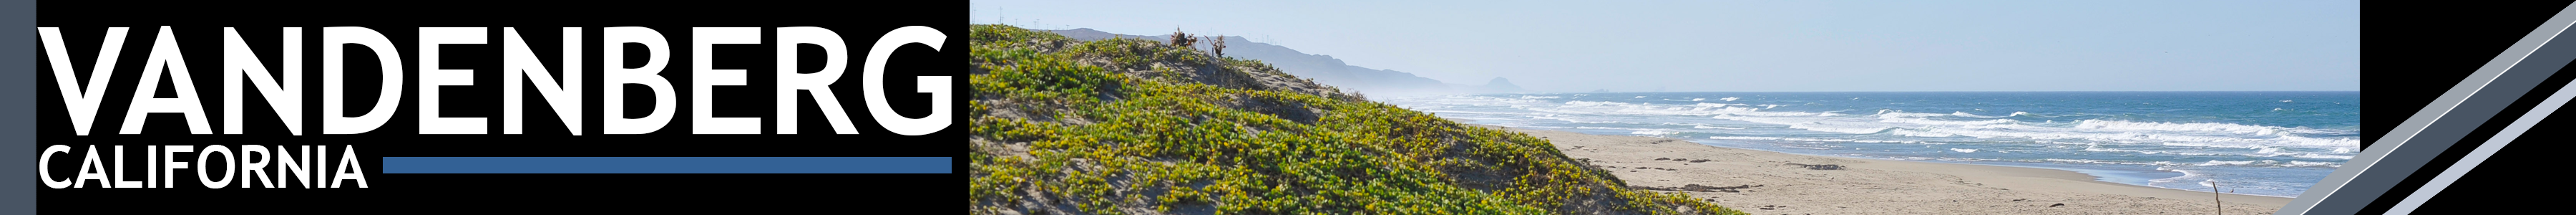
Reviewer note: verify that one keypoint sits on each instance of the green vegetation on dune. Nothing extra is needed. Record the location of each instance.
(1134, 126)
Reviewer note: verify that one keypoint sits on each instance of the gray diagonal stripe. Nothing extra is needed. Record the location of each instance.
(2441, 124)
(17, 106)
(2484, 151)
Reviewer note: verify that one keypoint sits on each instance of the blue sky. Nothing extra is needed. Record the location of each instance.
(1780, 45)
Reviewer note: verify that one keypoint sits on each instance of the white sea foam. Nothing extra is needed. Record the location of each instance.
(1653, 132)
(1744, 138)
(2202, 127)
(1715, 127)
(2091, 161)
(2185, 174)
(2253, 163)
(1841, 128)
(1728, 99)
(1808, 147)
(2278, 152)
(1792, 139)
(2233, 163)
(1944, 158)
(1824, 126)
(2319, 156)
(1966, 114)
(2308, 164)
(1591, 103)
(1572, 120)
(1913, 133)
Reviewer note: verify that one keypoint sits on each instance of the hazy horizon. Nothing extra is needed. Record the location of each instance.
(1781, 46)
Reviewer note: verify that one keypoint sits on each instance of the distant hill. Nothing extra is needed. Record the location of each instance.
(1500, 85)
(1323, 68)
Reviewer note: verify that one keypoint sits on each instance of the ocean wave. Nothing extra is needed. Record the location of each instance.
(2233, 163)
(1793, 139)
(1841, 128)
(2174, 134)
(2180, 138)
(2198, 127)
(1572, 120)
(1923, 121)
(1591, 103)
(1808, 147)
(2279, 152)
(1927, 125)
(2309, 164)
(1966, 114)
(2319, 156)
(1945, 158)
(2186, 141)
(1887, 113)
(2098, 148)
(1914, 133)
(1653, 132)
(1743, 138)
(1715, 127)
(1727, 99)
(2262, 163)
(2091, 161)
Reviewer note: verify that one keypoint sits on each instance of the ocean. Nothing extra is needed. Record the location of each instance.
(2256, 143)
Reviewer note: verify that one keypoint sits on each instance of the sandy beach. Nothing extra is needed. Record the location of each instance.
(1764, 182)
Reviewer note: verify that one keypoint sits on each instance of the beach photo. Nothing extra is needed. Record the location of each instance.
(1725, 107)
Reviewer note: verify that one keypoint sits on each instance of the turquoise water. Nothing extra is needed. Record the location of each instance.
(2257, 143)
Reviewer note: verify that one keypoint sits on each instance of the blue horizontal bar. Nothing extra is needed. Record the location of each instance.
(666, 165)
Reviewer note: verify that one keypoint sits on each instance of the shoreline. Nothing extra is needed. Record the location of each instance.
(1769, 182)
(2096, 177)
